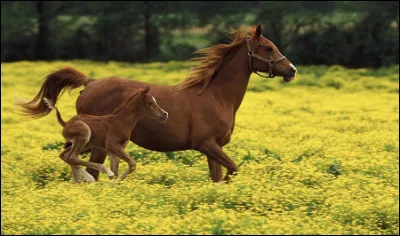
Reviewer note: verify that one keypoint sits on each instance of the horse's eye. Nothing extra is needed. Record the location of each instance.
(150, 103)
(269, 49)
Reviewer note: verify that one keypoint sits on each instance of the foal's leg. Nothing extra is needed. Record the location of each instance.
(73, 158)
(89, 178)
(79, 140)
(98, 156)
(114, 163)
(76, 177)
(119, 151)
(77, 172)
(212, 150)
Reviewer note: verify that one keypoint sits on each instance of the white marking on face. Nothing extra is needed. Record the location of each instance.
(293, 66)
(152, 107)
(162, 110)
(155, 102)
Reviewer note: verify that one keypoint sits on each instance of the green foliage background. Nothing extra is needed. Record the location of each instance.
(349, 33)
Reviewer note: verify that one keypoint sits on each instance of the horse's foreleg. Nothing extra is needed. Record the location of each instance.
(114, 163)
(215, 170)
(119, 151)
(213, 151)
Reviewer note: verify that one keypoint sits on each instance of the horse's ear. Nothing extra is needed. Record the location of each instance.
(258, 31)
(145, 90)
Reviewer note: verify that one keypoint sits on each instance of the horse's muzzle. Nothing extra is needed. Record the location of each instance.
(288, 79)
(164, 116)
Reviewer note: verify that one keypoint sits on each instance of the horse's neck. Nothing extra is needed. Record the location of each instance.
(126, 118)
(231, 82)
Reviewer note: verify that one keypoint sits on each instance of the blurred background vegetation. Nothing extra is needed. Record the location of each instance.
(352, 34)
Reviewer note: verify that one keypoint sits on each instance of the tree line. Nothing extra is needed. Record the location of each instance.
(353, 34)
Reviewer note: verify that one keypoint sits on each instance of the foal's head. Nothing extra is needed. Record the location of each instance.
(275, 63)
(144, 104)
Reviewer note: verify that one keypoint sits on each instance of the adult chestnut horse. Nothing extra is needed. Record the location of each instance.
(201, 109)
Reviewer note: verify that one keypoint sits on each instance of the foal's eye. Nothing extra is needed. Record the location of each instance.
(269, 49)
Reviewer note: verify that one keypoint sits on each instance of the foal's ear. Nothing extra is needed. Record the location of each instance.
(145, 90)
(258, 31)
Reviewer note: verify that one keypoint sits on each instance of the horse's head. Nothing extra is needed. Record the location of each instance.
(148, 106)
(264, 56)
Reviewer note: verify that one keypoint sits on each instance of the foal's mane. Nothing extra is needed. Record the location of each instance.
(211, 60)
(136, 96)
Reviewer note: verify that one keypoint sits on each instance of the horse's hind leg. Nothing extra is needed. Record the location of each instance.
(76, 177)
(97, 156)
(79, 140)
(76, 174)
(77, 171)
(74, 160)
(86, 175)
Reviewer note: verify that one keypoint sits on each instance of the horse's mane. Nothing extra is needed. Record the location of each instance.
(211, 60)
(136, 96)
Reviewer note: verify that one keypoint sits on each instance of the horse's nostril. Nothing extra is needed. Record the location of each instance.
(293, 69)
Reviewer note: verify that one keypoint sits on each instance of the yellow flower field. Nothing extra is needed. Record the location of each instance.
(319, 155)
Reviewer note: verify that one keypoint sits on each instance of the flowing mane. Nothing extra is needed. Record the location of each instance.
(211, 60)
(136, 96)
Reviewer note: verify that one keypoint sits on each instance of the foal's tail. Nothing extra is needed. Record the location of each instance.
(49, 104)
(53, 86)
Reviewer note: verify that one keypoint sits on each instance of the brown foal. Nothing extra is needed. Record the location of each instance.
(110, 133)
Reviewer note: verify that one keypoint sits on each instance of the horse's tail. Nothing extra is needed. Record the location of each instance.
(51, 105)
(53, 86)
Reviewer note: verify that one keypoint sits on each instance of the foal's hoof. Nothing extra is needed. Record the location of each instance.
(88, 177)
(110, 174)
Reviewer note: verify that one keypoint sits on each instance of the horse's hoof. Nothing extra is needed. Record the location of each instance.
(115, 181)
(90, 180)
(88, 177)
